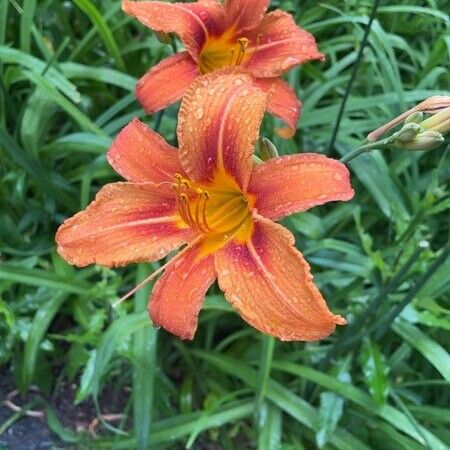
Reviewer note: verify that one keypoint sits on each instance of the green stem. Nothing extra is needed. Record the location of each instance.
(364, 41)
(265, 364)
(144, 355)
(365, 148)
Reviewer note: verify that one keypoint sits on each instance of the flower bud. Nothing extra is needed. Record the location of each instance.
(267, 149)
(423, 141)
(415, 117)
(408, 132)
(439, 122)
(164, 38)
(432, 105)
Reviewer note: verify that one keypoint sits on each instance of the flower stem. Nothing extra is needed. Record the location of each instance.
(364, 41)
(364, 149)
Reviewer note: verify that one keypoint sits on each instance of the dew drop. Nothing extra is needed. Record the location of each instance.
(199, 113)
(337, 176)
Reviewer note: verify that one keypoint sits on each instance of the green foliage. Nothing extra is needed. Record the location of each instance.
(67, 75)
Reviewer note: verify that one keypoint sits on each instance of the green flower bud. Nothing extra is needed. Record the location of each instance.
(423, 141)
(267, 149)
(415, 117)
(438, 122)
(407, 133)
(164, 38)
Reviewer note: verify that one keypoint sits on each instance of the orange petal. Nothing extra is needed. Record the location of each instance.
(290, 184)
(192, 22)
(245, 13)
(218, 125)
(178, 295)
(125, 223)
(140, 155)
(166, 82)
(268, 281)
(282, 45)
(283, 103)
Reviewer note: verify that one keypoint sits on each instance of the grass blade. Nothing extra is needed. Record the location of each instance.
(41, 322)
(144, 357)
(269, 427)
(430, 349)
(103, 30)
(29, 7)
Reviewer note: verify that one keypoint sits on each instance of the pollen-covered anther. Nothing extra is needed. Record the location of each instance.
(192, 204)
(243, 46)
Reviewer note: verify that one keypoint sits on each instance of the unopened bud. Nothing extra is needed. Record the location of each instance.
(415, 117)
(432, 105)
(164, 38)
(267, 149)
(423, 141)
(438, 122)
(408, 132)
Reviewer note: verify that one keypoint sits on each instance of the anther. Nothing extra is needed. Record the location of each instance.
(243, 45)
(185, 183)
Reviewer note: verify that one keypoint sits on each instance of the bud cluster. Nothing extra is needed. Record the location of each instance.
(419, 134)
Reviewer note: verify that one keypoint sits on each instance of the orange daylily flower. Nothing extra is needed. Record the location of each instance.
(216, 35)
(210, 196)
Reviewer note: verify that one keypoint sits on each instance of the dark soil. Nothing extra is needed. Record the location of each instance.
(33, 433)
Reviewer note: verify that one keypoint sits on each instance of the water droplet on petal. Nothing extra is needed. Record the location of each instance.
(199, 113)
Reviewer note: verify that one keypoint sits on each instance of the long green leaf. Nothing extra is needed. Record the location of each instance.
(430, 349)
(104, 31)
(41, 322)
(144, 359)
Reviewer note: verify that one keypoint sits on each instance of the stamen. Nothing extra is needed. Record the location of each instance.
(187, 210)
(231, 57)
(205, 220)
(200, 206)
(156, 273)
(243, 45)
(258, 41)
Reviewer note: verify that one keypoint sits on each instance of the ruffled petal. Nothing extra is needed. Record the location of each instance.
(268, 281)
(125, 223)
(283, 103)
(290, 184)
(245, 13)
(178, 295)
(140, 155)
(218, 125)
(278, 44)
(166, 82)
(192, 22)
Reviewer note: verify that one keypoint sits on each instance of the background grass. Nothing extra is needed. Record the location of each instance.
(67, 74)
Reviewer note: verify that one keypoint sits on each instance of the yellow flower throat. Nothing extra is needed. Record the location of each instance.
(219, 211)
(225, 51)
